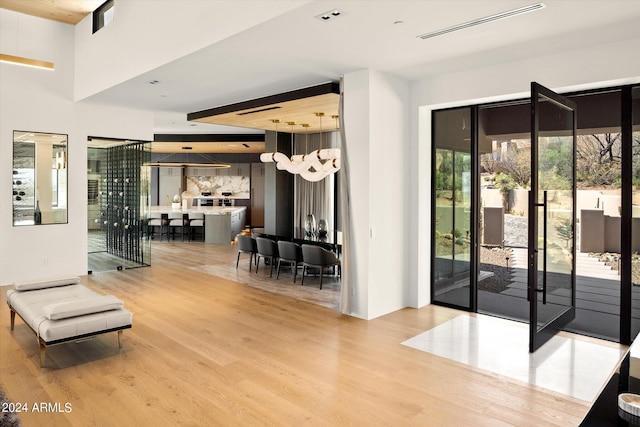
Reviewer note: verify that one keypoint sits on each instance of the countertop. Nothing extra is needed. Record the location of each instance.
(207, 210)
(219, 196)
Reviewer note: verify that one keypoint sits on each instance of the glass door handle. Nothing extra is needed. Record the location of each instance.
(544, 206)
(544, 247)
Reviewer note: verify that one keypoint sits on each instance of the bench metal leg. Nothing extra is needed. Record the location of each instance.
(119, 339)
(13, 318)
(43, 354)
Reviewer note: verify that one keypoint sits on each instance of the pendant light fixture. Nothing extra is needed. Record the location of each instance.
(297, 164)
(275, 157)
(313, 166)
(321, 162)
(298, 159)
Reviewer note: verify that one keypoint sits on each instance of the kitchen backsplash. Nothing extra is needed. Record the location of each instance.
(238, 186)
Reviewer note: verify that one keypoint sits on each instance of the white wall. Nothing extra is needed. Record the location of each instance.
(41, 101)
(377, 117)
(420, 206)
(144, 35)
(592, 67)
(357, 134)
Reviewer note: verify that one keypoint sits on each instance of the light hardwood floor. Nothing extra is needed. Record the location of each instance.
(206, 351)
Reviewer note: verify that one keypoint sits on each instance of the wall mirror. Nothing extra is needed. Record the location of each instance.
(39, 178)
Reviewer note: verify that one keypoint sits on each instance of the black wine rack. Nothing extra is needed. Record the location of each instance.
(123, 189)
(23, 188)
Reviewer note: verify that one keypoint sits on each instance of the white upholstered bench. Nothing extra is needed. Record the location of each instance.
(61, 310)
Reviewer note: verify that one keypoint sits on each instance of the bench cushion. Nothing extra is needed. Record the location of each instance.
(50, 282)
(30, 306)
(79, 307)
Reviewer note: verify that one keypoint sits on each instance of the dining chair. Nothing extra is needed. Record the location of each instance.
(247, 245)
(196, 221)
(292, 253)
(318, 257)
(267, 249)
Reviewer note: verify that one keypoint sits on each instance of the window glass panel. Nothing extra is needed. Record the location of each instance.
(452, 200)
(504, 146)
(108, 16)
(103, 15)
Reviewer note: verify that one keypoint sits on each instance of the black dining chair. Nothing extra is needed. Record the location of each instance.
(247, 245)
(267, 249)
(292, 253)
(318, 257)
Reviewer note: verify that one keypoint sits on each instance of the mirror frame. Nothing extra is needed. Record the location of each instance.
(40, 200)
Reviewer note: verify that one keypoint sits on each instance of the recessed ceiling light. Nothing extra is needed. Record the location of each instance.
(333, 13)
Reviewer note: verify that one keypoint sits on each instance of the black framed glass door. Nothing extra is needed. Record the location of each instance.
(552, 206)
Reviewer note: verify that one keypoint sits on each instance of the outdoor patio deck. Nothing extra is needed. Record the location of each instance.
(597, 297)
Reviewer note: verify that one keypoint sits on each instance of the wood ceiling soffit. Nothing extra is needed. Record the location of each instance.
(208, 143)
(208, 147)
(297, 106)
(209, 137)
(65, 11)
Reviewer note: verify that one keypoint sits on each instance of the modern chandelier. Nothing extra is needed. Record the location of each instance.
(313, 166)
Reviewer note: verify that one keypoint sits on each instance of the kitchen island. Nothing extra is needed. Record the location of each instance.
(221, 223)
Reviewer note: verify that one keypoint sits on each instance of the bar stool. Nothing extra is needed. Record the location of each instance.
(196, 220)
(177, 219)
(157, 219)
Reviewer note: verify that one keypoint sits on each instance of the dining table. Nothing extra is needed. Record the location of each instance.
(331, 241)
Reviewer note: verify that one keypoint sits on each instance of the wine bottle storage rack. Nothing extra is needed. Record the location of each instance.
(23, 188)
(121, 191)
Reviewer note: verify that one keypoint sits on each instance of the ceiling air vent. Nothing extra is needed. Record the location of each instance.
(485, 20)
(258, 111)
